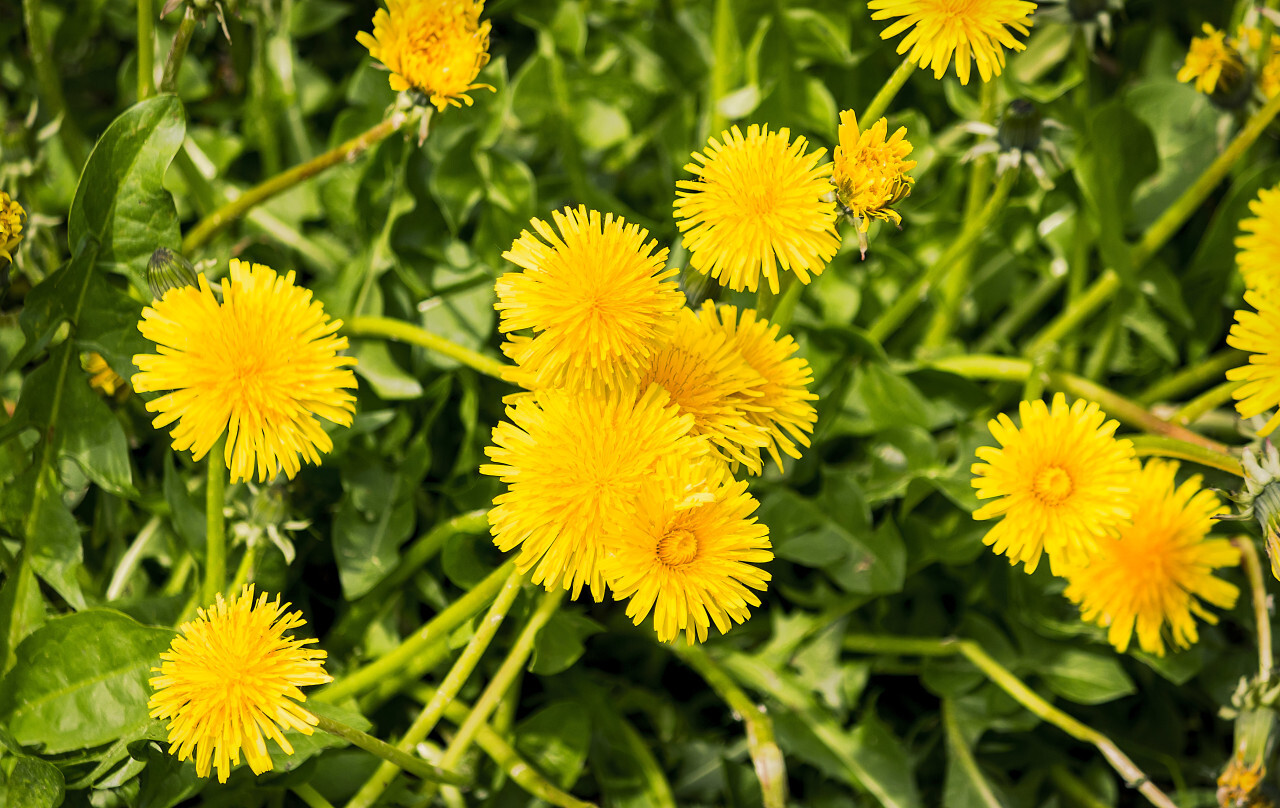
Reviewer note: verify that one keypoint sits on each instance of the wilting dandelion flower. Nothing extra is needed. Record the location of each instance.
(1061, 482)
(870, 171)
(436, 47)
(231, 677)
(101, 377)
(1259, 334)
(572, 462)
(758, 202)
(260, 366)
(11, 216)
(1259, 243)
(687, 550)
(1154, 574)
(1216, 68)
(597, 296)
(971, 30)
(781, 404)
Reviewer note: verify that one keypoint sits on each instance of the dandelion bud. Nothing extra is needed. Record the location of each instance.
(1021, 126)
(168, 270)
(1260, 498)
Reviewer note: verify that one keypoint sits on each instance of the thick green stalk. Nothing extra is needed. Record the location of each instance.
(1157, 446)
(210, 225)
(131, 558)
(412, 334)
(1158, 234)
(909, 300)
(177, 52)
(384, 750)
(771, 768)
(880, 104)
(962, 754)
(313, 798)
(440, 626)
(146, 49)
(215, 534)
(723, 33)
(1192, 378)
(1206, 402)
(1022, 311)
(426, 721)
(1261, 613)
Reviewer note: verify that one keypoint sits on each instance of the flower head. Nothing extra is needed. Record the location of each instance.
(572, 462)
(971, 30)
(687, 550)
(1259, 334)
(1259, 242)
(870, 171)
(232, 676)
(260, 365)
(1061, 482)
(1157, 570)
(781, 403)
(102, 378)
(758, 202)
(1215, 66)
(436, 47)
(598, 297)
(11, 216)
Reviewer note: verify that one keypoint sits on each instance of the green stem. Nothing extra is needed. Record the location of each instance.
(440, 627)
(769, 302)
(412, 334)
(313, 798)
(46, 69)
(1015, 318)
(1103, 351)
(719, 82)
(1206, 402)
(963, 755)
(1192, 378)
(426, 721)
(248, 564)
(215, 534)
(386, 751)
(178, 575)
(908, 301)
(146, 49)
(177, 52)
(1003, 678)
(1156, 446)
(210, 225)
(786, 307)
(131, 558)
(1159, 233)
(880, 104)
(1261, 614)
(771, 768)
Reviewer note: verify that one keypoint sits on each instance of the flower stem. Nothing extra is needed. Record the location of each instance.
(146, 49)
(1192, 378)
(1261, 614)
(906, 303)
(1022, 311)
(426, 721)
(880, 104)
(1206, 402)
(723, 33)
(313, 798)
(412, 334)
(771, 768)
(999, 675)
(215, 534)
(1105, 287)
(387, 752)
(210, 225)
(962, 754)
(442, 625)
(1157, 446)
(177, 52)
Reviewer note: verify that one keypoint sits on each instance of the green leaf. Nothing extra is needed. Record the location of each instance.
(81, 681)
(21, 611)
(33, 783)
(559, 643)
(1086, 677)
(374, 519)
(33, 509)
(556, 739)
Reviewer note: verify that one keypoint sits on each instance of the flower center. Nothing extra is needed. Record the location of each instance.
(1052, 485)
(678, 547)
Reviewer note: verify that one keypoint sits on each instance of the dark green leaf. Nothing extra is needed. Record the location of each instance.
(33, 783)
(559, 643)
(556, 739)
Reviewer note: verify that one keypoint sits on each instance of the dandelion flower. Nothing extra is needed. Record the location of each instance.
(870, 171)
(1259, 244)
(231, 677)
(436, 47)
(971, 30)
(1061, 482)
(598, 297)
(707, 377)
(11, 216)
(687, 551)
(1259, 334)
(572, 462)
(758, 201)
(1213, 63)
(1156, 572)
(101, 377)
(781, 404)
(260, 366)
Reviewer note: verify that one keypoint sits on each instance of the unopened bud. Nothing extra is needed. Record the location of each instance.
(1235, 82)
(1021, 126)
(168, 270)
(1260, 499)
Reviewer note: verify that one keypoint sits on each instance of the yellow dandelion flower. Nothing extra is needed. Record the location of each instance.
(1269, 79)
(1259, 334)
(971, 30)
(1211, 60)
(1154, 574)
(687, 551)
(231, 677)
(260, 366)
(707, 377)
(758, 201)
(11, 216)
(870, 171)
(436, 47)
(1259, 243)
(101, 377)
(1061, 482)
(572, 461)
(781, 404)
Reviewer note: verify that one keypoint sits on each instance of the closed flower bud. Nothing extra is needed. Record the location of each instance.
(168, 270)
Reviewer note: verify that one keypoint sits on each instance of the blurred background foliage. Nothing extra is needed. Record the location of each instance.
(600, 103)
